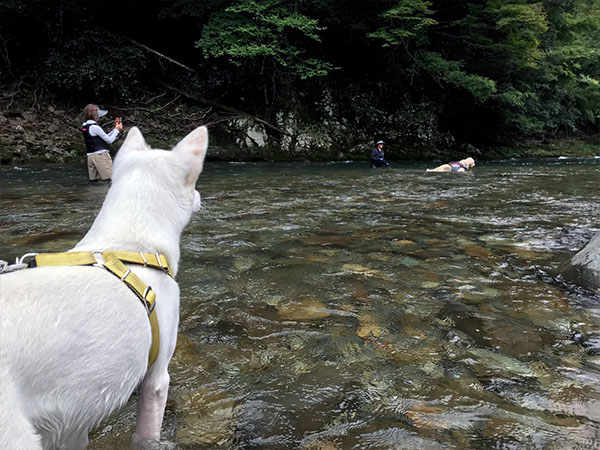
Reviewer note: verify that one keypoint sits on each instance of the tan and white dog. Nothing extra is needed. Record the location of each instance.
(455, 167)
(74, 341)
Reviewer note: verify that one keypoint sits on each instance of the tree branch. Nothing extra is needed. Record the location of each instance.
(229, 109)
(171, 60)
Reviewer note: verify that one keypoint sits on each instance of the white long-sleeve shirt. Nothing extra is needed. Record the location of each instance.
(96, 130)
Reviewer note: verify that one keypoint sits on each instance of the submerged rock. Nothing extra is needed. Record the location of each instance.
(359, 269)
(208, 418)
(370, 326)
(303, 309)
(498, 363)
(584, 268)
(400, 242)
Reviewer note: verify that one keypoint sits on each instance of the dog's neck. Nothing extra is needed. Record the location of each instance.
(127, 223)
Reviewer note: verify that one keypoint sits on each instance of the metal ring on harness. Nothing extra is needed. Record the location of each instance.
(26, 256)
(149, 306)
(19, 264)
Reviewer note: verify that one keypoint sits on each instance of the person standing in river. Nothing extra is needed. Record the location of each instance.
(377, 156)
(99, 162)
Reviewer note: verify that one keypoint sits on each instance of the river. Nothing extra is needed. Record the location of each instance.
(334, 306)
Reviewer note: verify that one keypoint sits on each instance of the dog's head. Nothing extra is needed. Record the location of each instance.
(151, 198)
(159, 183)
(469, 162)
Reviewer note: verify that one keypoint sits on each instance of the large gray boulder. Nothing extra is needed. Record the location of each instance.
(584, 268)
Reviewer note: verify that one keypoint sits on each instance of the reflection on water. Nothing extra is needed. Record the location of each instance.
(332, 306)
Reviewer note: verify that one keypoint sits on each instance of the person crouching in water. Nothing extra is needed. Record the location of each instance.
(377, 158)
(99, 162)
(454, 167)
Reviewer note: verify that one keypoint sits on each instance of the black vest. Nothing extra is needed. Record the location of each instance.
(92, 143)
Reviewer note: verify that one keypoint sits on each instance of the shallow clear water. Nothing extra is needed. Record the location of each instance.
(332, 306)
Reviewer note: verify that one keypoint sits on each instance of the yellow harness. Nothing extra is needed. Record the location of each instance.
(114, 264)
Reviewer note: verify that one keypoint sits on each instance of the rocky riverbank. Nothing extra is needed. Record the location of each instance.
(321, 131)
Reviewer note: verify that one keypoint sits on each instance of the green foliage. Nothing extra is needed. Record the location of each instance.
(481, 88)
(515, 45)
(406, 27)
(537, 63)
(571, 70)
(92, 64)
(268, 31)
(508, 31)
(496, 70)
(405, 22)
(522, 26)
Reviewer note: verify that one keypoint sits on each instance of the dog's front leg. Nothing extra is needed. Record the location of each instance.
(150, 409)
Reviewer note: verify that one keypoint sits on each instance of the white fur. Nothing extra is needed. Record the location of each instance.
(74, 341)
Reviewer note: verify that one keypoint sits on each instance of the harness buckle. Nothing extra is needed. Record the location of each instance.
(25, 259)
(99, 255)
(126, 274)
(149, 306)
(160, 264)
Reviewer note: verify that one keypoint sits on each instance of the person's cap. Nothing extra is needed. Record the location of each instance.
(102, 112)
(379, 142)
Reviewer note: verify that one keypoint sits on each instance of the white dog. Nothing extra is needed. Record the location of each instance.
(75, 341)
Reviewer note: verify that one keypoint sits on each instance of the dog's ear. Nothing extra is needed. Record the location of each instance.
(192, 149)
(133, 142)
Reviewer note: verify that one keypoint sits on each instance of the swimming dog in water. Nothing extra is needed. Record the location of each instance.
(460, 166)
(75, 339)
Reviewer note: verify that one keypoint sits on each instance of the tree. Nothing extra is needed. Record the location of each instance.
(508, 36)
(273, 33)
(570, 82)
(406, 29)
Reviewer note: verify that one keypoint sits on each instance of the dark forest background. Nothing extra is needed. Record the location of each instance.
(476, 73)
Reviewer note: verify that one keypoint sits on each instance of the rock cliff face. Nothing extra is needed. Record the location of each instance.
(303, 129)
(584, 268)
(327, 130)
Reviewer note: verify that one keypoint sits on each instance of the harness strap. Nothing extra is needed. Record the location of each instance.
(145, 294)
(153, 260)
(65, 259)
(114, 264)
